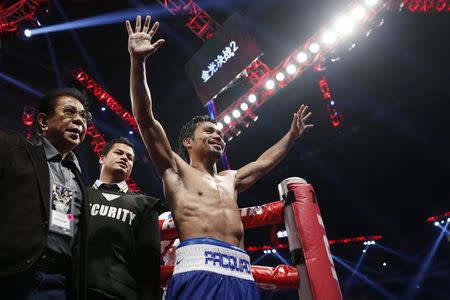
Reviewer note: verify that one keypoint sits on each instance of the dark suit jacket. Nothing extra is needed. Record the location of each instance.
(24, 211)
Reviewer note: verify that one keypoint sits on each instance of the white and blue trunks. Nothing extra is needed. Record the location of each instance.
(207, 268)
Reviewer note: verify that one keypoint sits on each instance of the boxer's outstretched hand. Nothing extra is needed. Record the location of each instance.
(140, 43)
(298, 125)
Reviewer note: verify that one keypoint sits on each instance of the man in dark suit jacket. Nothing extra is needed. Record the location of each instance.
(124, 240)
(43, 206)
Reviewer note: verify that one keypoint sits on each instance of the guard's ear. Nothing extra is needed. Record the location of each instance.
(42, 122)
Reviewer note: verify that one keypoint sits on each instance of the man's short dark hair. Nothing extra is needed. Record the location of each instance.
(120, 140)
(48, 101)
(188, 131)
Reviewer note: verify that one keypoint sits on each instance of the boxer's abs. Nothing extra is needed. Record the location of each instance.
(222, 223)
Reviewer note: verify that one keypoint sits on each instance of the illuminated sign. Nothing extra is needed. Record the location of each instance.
(222, 58)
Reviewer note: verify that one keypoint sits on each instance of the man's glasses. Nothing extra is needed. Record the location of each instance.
(72, 112)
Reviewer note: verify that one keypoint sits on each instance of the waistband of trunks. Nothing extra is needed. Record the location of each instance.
(206, 254)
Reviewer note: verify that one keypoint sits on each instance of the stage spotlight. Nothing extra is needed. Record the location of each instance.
(442, 222)
(130, 132)
(252, 98)
(364, 251)
(332, 102)
(227, 119)
(371, 2)
(219, 125)
(448, 220)
(274, 251)
(244, 106)
(302, 57)
(436, 223)
(314, 48)
(103, 108)
(291, 69)
(344, 25)
(230, 138)
(253, 117)
(27, 32)
(270, 84)
(236, 113)
(384, 264)
(280, 76)
(329, 37)
(358, 13)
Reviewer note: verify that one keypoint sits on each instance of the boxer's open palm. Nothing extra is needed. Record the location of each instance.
(298, 125)
(140, 41)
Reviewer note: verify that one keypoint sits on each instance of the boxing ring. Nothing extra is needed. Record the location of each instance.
(313, 273)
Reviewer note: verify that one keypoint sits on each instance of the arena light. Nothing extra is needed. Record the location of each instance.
(445, 215)
(130, 132)
(227, 119)
(244, 106)
(236, 113)
(291, 69)
(101, 20)
(252, 98)
(384, 264)
(103, 108)
(329, 37)
(314, 48)
(436, 223)
(219, 125)
(425, 266)
(364, 278)
(281, 234)
(279, 76)
(20, 85)
(371, 2)
(302, 57)
(358, 13)
(253, 117)
(27, 32)
(270, 84)
(344, 25)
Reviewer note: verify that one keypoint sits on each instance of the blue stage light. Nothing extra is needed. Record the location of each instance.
(111, 18)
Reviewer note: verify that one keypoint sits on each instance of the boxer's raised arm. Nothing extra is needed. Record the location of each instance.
(249, 174)
(155, 139)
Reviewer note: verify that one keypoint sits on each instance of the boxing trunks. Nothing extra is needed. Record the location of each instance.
(207, 268)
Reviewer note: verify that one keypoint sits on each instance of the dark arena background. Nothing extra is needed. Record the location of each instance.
(374, 73)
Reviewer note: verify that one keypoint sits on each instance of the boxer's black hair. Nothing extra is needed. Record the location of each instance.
(188, 131)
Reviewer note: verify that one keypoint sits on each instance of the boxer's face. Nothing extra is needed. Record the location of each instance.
(208, 140)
